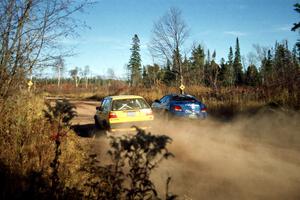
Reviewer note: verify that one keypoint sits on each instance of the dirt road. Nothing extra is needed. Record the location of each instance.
(248, 158)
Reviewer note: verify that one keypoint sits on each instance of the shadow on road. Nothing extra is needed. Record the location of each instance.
(88, 130)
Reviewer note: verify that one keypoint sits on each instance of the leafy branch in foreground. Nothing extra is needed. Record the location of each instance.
(59, 117)
(128, 177)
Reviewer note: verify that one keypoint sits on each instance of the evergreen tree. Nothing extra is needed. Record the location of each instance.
(227, 70)
(283, 63)
(186, 69)
(197, 65)
(207, 69)
(177, 66)
(145, 77)
(169, 76)
(286, 74)
(230, 56)
(296, 55)
(135, 62)
(252, 76)
(222, 70)
(208, 57)
(214, 55)
(296, 26)
(214, 71)
(153, 72)
(267, 69)
(237, 65)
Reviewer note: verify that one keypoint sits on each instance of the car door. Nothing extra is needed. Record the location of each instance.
(104, 110)
(162, 105)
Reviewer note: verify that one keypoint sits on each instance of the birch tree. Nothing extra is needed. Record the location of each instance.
(168, 37)
(31, 32)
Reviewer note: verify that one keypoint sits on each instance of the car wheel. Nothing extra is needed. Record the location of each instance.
(97, 124)
(106, 125)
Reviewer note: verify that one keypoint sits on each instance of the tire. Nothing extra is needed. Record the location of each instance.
(97, 124)
(106, 126)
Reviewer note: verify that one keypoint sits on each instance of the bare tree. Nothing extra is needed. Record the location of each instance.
(261, 52)
(85, 74)
(111, 73)
(169, 35)
(74, 73)
(30, 34)
(59, 67)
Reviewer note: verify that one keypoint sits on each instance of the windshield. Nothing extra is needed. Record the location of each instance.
(183, 98)
(129, 104)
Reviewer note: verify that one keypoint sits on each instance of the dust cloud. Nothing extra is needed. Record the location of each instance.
(250, 157)
(256, 157)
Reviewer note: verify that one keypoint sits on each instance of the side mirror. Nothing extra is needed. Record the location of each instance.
(157, 101)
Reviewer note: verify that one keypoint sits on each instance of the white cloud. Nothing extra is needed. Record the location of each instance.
(284, 28)
(235, 33)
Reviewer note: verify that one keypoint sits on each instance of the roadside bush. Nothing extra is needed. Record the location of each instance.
(41, 158)
(27, 149)
(128, 177)
(24, 137)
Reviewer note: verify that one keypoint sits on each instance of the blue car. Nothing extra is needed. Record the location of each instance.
(180, 105)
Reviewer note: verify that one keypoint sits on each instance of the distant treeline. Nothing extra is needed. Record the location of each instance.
(278, 67)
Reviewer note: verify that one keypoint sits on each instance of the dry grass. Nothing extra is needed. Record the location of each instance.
(27, 149)
(223, 103)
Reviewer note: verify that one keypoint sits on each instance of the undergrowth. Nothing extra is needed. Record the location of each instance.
(42, 158)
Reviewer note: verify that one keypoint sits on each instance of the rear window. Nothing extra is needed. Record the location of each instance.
(183, 98)
(129, 104)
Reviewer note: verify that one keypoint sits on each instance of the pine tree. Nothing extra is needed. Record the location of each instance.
(186, 69)
(169, 76)
(214, 55)
(208, 57)
(135, 62)
(228, 72)
(283, 64)
(145, 77)
(296, 55)
(214, 71)
(237, 65)
(153, 72)
(177, 66)
(222, 70)
(286, 74)
(230, 56)
(267, 69)
(252, 76)
(296, 26)
(207, 69)
(197, 65)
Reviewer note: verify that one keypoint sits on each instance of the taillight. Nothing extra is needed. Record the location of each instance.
(149, 112)
(203, 109)
(112, 115)
(177, 108)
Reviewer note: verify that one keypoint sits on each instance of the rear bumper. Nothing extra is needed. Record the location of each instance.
(201, 115)
(130, 126)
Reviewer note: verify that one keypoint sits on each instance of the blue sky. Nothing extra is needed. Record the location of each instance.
(212, 23)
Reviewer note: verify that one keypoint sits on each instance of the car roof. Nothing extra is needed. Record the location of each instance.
(124, 97)
(182, 95)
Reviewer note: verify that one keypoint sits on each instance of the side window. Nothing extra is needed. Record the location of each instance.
(105, 105)
(165, 99)
(102, 104)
